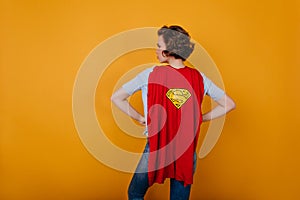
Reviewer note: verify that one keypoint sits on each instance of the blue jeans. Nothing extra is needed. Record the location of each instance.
(139, 182)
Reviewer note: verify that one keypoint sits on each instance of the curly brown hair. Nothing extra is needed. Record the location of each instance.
(177, 41)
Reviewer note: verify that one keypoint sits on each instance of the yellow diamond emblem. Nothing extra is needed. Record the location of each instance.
(178, 96)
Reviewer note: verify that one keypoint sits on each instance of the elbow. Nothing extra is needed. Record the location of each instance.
(119, 97)
(116, 99)
(113, 99)
(231, 105)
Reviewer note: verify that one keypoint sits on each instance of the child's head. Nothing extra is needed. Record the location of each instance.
(176, 42)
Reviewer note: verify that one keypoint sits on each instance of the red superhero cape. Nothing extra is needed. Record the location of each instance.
(174, 119)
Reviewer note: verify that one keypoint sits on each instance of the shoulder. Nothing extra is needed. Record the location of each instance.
(138, 82)
(145, 73)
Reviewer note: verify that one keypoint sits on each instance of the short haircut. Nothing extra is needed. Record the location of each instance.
(177, 41)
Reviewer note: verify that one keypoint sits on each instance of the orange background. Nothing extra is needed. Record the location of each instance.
(43, 43)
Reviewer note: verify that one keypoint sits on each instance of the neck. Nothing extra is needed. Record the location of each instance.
(176, 63)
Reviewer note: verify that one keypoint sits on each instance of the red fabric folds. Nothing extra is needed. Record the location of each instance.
(174, 119)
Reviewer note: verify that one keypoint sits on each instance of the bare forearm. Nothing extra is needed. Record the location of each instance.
(218, 111)
(124, 106)
(225, 105)
(119, 98)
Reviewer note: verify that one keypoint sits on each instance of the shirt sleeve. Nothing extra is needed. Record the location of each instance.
(137, 82)
(212, 89)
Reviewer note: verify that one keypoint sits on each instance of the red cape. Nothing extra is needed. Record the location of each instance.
(174, 119)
